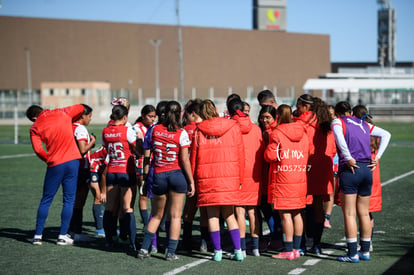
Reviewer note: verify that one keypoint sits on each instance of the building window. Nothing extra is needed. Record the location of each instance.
(67, 91)
(51, 91)
(83, 91)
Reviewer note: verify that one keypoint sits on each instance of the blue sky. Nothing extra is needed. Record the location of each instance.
(351, 24)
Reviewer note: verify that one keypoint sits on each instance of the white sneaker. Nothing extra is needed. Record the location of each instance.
(256, 252)
(81, 238)
(64, 240)
(37, 240)
(100, 233)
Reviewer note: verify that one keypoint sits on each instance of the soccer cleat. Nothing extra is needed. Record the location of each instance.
(365, 256)
(171, 257)
(142, 254)
(203, 246)
(218, 254)
(302, 251)
(238, 255)
(64, 240)
(316, 249)
(154, 249)
(99, 233)
(287, 255)
(256, 252)
(327, 224)
(37, 241)
(348, 259)
(296, 253)
(244, 253)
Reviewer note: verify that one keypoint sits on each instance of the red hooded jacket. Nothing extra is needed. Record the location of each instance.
(288, 153)
(322, 149)
(264, 186)
(217, 161)
(253, 149)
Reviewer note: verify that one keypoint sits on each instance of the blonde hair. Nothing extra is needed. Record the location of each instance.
(208, 110)
(284, 114)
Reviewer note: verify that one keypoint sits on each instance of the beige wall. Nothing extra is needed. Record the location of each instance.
(76, 51)
(68, 93)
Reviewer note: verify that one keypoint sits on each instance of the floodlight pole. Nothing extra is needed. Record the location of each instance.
(29, 74)
(180, 50)
(156, 43)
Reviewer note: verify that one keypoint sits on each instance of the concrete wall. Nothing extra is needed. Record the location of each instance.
(121, 54)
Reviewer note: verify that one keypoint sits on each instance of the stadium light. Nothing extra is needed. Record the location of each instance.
(156, 43)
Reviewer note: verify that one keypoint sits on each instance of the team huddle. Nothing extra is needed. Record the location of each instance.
(286, 171)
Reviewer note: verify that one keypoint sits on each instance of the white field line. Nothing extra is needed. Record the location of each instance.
(297, 271)
(187, 266)
(17, 156)
(294, 271)
(397, 178)
(311, 262)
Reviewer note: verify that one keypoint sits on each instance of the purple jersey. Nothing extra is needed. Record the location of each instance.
(357, 136)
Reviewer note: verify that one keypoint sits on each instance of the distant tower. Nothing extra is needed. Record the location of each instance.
(269, 15)
(386, 34)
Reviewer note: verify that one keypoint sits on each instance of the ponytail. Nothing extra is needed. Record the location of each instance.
(173, 116)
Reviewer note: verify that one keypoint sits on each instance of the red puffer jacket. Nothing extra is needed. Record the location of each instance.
(253, 149)
(375, 203)
(322, 149)
(217, 160)
(288, 153)
(265, 187)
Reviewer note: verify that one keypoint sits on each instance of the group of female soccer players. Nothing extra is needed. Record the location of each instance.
(231, 168)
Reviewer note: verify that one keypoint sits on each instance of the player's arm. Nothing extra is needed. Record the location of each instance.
(74, 111)
(84, 146)
(338, 132)
(37, 145)
(186, 166)
(102, 184)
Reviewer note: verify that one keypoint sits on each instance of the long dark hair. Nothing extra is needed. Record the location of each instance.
(118, 112)
(342, 107)
(87, 109)
(320, 109)
(161, 110)
(193, 105)
(234, 105)
(145, 111)
(360, 111)
(173, 116)
(266, 109)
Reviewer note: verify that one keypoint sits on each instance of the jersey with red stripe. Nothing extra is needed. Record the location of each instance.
(117, 140)
(190, 128)
(81, 133)
(166, 147)
(98, 159)
(141, 130)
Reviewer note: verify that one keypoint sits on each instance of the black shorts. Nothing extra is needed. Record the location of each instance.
(121, 179)
(359, 183)
(169, 181)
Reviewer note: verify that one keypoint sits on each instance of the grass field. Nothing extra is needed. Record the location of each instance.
(21, 182)
(401, 132)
